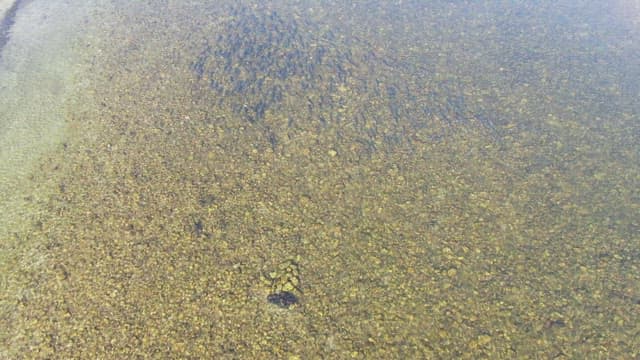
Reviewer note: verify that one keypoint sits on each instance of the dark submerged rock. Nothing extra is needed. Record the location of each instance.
(283, 299)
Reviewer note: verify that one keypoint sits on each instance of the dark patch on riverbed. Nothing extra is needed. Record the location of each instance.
(284, 70)
(264, 58)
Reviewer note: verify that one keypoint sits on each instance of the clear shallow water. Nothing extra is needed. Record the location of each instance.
(443, 181)
(38, 66)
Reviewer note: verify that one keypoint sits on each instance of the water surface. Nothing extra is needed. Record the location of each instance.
(313, 179)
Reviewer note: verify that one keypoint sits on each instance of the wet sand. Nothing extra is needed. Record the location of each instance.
(37, 79)
(7, 18)
(5, 5)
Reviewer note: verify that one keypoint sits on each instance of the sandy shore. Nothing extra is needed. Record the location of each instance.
(4, 6)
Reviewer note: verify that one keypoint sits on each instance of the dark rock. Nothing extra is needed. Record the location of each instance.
(283, 299)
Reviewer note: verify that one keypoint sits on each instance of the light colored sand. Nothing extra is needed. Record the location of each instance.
(4, 6)
(39, 74)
